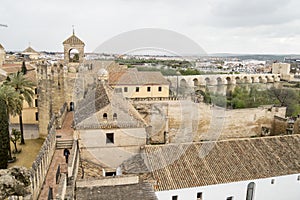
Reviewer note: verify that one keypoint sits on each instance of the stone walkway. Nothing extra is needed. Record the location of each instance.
(58, 159)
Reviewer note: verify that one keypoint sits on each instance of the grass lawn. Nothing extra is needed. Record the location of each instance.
(28, 154)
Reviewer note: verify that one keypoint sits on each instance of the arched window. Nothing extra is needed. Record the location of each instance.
(250, 191)
(115, 116)
(105, 116)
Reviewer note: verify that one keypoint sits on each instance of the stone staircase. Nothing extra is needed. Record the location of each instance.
(64, 144)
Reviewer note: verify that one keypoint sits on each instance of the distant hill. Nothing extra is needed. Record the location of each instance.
(255, 56)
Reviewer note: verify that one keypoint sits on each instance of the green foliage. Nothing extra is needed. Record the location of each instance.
(155, 62)
(252, 96)
(165, 72)
(25, 90)
(12, 99)
(15, 137)
(187, 72)
(4, 134)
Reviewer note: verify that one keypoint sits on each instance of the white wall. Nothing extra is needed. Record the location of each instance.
(284, 188)
(96, 138)
(127, 143)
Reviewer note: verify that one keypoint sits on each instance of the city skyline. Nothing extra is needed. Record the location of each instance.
(235, 26)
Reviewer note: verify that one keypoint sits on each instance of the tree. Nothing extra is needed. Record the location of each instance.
(23, 69)
(14, 138)
(4, 135)
(10, 103)
(25, 88)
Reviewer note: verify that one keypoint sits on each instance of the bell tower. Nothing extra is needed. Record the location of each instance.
(73, 50)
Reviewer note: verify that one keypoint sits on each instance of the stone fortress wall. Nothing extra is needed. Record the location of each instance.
(193, 122)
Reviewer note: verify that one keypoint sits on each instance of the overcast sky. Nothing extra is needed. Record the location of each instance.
(218, 26)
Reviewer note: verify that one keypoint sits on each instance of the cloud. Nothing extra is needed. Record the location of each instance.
(241, 13)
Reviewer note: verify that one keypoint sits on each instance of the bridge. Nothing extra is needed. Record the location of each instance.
(221, 79)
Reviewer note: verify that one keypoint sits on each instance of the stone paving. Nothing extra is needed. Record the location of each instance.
(58, 159)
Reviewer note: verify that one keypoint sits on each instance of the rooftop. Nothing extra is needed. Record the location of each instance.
(73, 40)
(176, 166)
(134, 77)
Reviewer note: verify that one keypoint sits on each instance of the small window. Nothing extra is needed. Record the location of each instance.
(115, 116)
(36, 116)
(175, 197)
(109, 138)
(110, 173)
(137, 89)
(35, 90)
(159, 88)
(250, 191)
(36, 103)
(105, 116)
(229, 198)
(199, 196)
(298, 178)
(272, 181)
(148, 89)
(125, 89)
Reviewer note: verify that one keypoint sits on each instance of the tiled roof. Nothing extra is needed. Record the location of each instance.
(73, 40)
(14, 68)
(103, 99)
(134, 77)
(138, 191)
(176, 166)
(29, 50)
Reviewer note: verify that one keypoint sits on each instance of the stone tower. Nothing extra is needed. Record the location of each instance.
(44, 98)
(2, 55)
(73, 50)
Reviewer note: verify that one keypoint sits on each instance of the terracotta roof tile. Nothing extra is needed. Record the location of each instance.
(134, 77)
(176, 166)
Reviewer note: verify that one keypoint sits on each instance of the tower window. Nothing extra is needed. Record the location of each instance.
(159, 88)
(137, 89)
(36, 103)
(229, 198)
(35, 90)
(105, 116)
(110, 138)
(115, 116)
(148, 89)
(36, 116)
(125, 89)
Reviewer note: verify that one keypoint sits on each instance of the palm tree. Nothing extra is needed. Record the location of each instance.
(26, 89)
(10, 103)
(4, 135)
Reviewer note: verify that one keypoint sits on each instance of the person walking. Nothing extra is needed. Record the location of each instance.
(66, 154)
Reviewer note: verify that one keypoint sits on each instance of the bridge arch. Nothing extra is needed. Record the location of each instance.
(238, 80)
(228, 80)
(207, 81)
(219, 81)
(183, 83)
(196, 82)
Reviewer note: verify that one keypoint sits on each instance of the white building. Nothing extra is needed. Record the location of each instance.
(265, 168)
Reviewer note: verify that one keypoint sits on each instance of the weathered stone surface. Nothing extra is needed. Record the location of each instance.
(15, 182)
